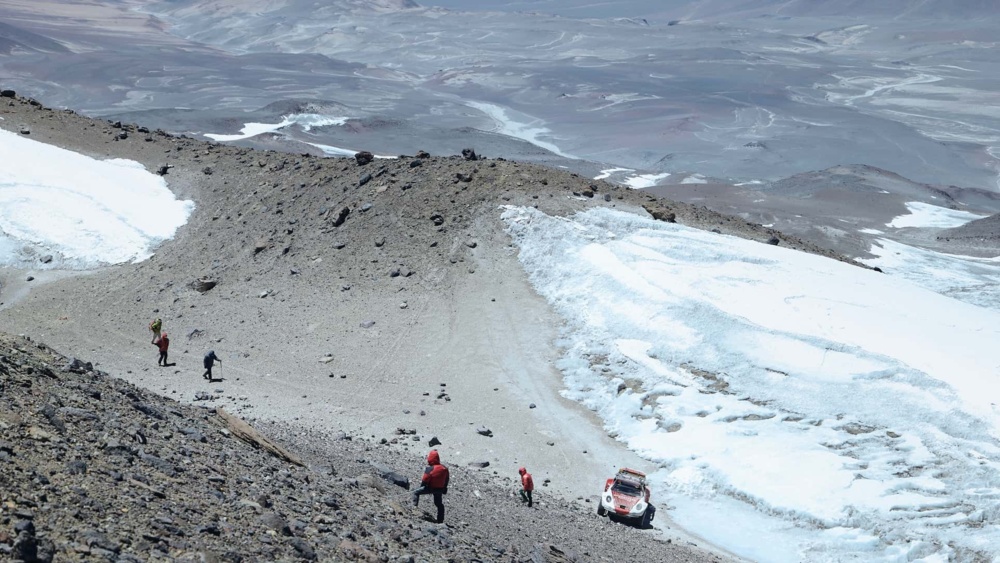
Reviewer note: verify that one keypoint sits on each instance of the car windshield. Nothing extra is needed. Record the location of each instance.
(626, 488)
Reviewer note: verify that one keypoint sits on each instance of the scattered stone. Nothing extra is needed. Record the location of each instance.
(773, 241)
(304, 549)
(341, 216)
(531, 406)
(392, 476)
(45, 259)
(202, 285)
(423, 154)
(365, 178)
(437, 219)
(274, 521)
(363, 157)
(367, 324)
(469, 154)
(434, 440)
(484, 431)
(479, 464)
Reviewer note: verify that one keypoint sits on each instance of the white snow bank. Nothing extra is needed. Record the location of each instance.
(640, 181)
(533, 130)
(85, 212)
(305, 120)
(932, 216)
(966, 278)
(778, 390)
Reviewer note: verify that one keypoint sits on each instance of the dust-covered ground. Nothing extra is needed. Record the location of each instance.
(96, 469)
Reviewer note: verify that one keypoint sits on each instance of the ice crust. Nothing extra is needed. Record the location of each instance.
(84, 212)
(847, 413)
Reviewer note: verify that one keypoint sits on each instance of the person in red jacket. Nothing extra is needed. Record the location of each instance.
(527, 485)
(434, 482)
(163, 343)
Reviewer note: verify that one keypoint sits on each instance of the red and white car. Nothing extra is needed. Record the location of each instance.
(626, 497)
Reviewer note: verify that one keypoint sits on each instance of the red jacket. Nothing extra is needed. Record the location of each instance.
(163, 343)
(435, 475)
(527, 483)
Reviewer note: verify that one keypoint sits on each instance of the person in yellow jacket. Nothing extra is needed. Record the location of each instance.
(156, 326)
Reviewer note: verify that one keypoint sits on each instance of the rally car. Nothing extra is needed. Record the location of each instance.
(626, 497)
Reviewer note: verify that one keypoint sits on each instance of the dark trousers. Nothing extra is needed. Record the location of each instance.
(208, 373)
(438, 500)
(526, 497)
(163, 358)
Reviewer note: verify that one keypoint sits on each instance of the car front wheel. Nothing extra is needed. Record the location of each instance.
(647, 518)
(600, 509)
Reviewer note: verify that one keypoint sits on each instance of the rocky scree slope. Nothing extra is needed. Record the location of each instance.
(94, 468)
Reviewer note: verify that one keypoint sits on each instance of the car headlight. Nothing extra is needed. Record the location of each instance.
(639, 507)
(608, 499)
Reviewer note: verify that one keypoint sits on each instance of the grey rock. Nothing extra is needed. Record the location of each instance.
(341, 217)
(79, 414)
(484, 431)
(274, 521)
(479, 464)
(391, 475)
(304, 549)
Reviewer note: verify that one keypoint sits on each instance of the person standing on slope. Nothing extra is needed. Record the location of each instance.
(434, 482)
(155, 326)
(210, 359)
(163, 343)
(527, 485)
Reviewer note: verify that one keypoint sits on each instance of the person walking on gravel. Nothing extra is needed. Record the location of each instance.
(163, 343)
(434, 482)
(210, 359)
(527, 485)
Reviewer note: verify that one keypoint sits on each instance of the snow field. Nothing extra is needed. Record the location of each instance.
(84, 212)
(848, 413)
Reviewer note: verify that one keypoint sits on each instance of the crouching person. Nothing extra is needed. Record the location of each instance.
(434, 482)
